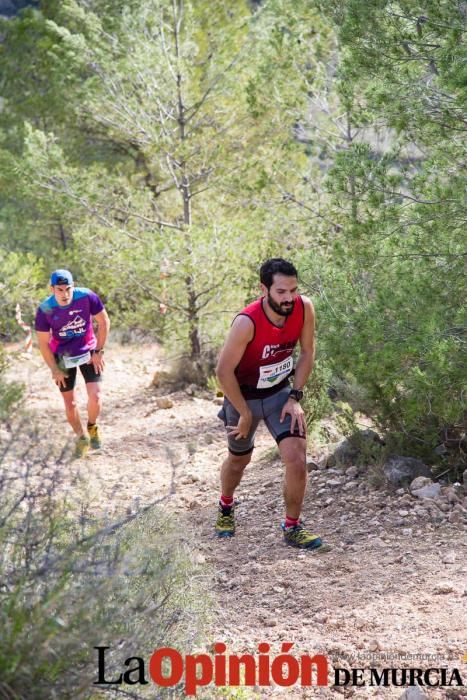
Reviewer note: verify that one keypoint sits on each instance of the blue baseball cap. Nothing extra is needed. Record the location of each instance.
(61, 277)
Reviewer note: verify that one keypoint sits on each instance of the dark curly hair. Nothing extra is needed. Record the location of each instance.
(273, 266)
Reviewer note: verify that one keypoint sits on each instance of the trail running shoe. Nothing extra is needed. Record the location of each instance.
(225, 523)
(94, 437)
(298, 536)
(81, 447)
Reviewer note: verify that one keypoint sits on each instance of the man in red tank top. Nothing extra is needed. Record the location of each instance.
(253, 370)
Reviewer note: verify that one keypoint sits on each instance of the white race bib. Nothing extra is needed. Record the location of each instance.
(270, 375)
(77, 360)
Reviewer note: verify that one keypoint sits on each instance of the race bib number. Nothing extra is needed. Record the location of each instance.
(77, 360)
(270, 375)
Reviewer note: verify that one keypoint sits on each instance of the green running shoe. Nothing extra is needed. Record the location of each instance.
(225, 523)
(298, 536)
(94, 437)
(81, 447)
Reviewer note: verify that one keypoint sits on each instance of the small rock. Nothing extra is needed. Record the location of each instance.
(374, 645)
(334, 483)
(328, 501)
(270, 622)
(420, 482)
(164, 402)
(160, 377)
(311, 466)
(321, 618)
(199, 558)
(429, 491)
(448, 557)
(456, 518)
(352, 472)
(443, 587)
(350, 486)
(209, 438)
(406, 500)
(449, 493)
(191, 389)
(459, 509)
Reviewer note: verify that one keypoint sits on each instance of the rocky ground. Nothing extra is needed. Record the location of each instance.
(393, 586)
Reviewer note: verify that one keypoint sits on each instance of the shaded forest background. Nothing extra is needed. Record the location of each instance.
(161, 149)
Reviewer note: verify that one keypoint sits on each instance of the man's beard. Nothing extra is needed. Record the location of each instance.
(280, 309)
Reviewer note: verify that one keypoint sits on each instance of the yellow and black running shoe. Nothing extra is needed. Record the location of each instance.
(225, 523)
(299, 536)
(94, 437)
(81, 447)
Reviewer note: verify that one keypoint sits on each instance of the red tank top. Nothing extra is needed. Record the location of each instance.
(267, 360)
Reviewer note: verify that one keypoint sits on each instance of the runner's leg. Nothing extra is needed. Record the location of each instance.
(240, 451)
(232, 471)
(94, 401)
(72, 412)
(293, 453)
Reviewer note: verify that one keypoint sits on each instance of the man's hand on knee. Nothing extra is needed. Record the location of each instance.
(59, 377)
(243, 427)
(297, 416)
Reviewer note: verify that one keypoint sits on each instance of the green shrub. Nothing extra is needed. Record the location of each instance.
(70, 582)
(316, 402)
(21, 280)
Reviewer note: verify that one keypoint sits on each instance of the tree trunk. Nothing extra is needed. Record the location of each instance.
(192, 307)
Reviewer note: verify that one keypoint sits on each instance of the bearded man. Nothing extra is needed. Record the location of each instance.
(254, 371)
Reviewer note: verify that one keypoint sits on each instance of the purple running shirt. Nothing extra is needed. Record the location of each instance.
(71, 325)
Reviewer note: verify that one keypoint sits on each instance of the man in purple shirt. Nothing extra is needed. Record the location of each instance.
(67, 341)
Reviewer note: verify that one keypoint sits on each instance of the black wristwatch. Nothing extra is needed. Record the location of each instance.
(296, 394)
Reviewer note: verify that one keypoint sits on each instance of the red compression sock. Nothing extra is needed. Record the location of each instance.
(291, 522)
(226, 500)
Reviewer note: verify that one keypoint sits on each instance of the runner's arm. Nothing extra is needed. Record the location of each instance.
(302, 370)
(58, 375)
(241, 333)
(43, 338)
(306, 357)
(103, 326)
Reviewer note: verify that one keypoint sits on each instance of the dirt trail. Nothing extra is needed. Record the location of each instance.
(379, 592)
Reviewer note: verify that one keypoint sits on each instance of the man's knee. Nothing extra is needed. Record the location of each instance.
(69, 400)
(238, 462)
(94, 391)
(294, 456)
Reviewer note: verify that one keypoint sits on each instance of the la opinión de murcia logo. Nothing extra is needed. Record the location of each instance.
(168, 668)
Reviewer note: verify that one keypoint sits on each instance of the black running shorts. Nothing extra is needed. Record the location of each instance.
(87, 370)
(269, 410)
